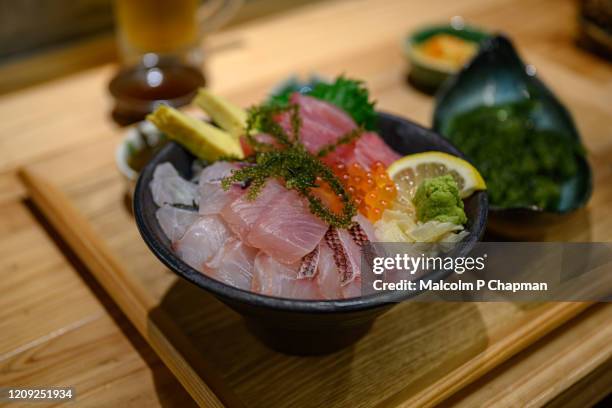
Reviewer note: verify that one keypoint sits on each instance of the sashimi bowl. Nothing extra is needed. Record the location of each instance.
(291, 325)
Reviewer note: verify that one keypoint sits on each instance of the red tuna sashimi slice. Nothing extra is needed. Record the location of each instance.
(287, 230)
(324, 112)
(366, 150)
(273, 278)
(261, 137)
(313, 134)
(175, 221)
(242, 213)
(233, 264)
(202, 241)
(322, 122)
(370, 148)
(212, 196)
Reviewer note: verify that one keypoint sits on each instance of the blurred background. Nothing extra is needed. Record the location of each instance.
(46, 39)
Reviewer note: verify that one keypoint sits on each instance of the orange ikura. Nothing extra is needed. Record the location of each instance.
(371, 189)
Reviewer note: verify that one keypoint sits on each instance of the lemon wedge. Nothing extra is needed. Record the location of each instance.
(409, 171)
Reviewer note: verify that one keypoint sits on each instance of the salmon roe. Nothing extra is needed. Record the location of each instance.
(371, 189)
(325, 193)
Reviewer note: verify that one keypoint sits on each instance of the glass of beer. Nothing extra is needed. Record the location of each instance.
(161, 55)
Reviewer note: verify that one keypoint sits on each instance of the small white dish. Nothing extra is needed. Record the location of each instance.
(135, 140)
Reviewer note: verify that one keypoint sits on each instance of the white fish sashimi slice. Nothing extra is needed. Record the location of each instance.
(273, 278)
(202, 241)
(196, 170)
(309, 264)
(328, 277)
(287, 230)
(212, 195)
(353, 289)
(175, 221)
(233, 264)
(216, 171)
(241, 214)
(365, 227)
(365, 236)
(353, 252)
(168, 187)
(347, 254)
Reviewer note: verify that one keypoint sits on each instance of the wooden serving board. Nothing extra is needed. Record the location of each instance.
(417, 353)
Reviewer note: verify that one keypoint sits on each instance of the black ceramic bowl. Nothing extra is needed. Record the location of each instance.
(301, 326)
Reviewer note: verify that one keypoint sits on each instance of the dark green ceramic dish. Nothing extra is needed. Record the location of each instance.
(498, 76)
(430, 76)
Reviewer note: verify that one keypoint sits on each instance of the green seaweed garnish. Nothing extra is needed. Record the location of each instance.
(287, 159)
(522, 164)
(350, 95)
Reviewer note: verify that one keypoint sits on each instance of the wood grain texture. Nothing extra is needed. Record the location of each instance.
(24, 280)
(55, 331)
(552, 364)
(591, 391)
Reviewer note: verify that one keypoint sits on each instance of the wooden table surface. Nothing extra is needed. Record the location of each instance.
(59, 328)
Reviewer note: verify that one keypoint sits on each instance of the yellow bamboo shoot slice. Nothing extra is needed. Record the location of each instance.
(223, 112)
(200, 138)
